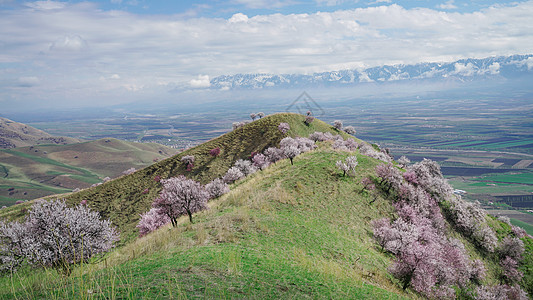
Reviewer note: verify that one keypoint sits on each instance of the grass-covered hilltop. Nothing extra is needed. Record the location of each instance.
(312, 212)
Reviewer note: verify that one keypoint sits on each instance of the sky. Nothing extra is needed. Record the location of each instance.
(90, 53)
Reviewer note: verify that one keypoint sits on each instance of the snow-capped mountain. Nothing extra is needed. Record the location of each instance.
(465, 69)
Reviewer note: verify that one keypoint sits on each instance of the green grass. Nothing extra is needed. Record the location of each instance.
(122, 200)
(291, 231)
(47, 161)
(288, 232)
(527, 227)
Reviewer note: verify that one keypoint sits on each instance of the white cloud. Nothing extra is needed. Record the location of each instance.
(80, 42)
(264, 3)
(529, 63)
(45, 5)
(494, 68)
(238, 18)
(379, 1)
(328, 2)
(465, 70)
(28, 81)
(115, 76)
(448, 5)
(201, 82)
(69, 43)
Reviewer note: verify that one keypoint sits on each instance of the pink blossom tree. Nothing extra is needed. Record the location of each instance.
(337, 124)
(54, 235)
(291, 152)
(349, 130)
(284, 127)
(348, 166)
(181, 196)
(233, 174)
(273, 154)
(390, 177)
(152, 220)
(260, 161)
(214, 152)
(216, 188)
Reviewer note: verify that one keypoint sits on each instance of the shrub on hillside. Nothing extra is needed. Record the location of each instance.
(214, 152)
(309, 120)
(273, 154)
(512, 247)
(152, 220)
(260, 161)
(390, 176)
(260, 114)
(345, 145)
(129, 171)
(181, 196)
(349, 130)
(500, 292)
(337, 124)
(284, 127)
(245, 166)
(54, 235)
(510, 270)
(188, 159)
(237, 125)
(404, 161)
(369, 151)
(233, 174)
(291, 152)
(469, 219)
(216, 188)
(348, 166)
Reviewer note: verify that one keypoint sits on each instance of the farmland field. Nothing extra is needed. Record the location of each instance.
(37, 171)
(523, 178)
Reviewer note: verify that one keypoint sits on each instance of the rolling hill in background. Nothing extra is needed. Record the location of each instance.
(289, 231)
(14, 134)
(37, 171)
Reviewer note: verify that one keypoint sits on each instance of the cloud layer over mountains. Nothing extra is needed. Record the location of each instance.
(79, 52)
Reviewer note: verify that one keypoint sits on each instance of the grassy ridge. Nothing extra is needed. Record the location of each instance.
(299, 231)
(290, 231)
(123, 199)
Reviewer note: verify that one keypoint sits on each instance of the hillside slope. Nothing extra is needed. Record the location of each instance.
(41, 170)
(289, 231)
(14, 134)
(123, 199)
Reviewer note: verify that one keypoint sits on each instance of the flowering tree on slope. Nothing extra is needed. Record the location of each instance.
(181, 196)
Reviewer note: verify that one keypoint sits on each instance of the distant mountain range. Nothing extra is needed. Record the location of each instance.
(464, 70)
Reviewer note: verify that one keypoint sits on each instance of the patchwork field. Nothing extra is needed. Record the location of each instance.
(37, 171)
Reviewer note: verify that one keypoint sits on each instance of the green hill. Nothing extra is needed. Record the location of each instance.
(290, 232)
(37, 171)
(123, 199)
(14, 134)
